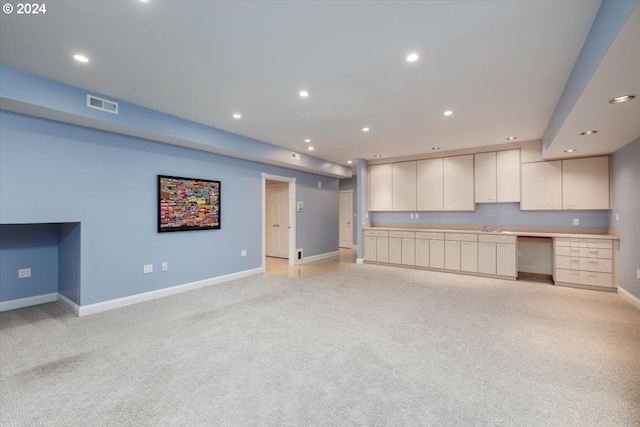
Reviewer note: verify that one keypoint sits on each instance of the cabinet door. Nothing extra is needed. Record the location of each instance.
(395, 250)
(585, 183)
(485, 177)
(429, 185)
(422, 252)
(469, 256)
(458, 183)
(508, 176)
(506, 260)
(404, 186)
(541, 186)
(452, 255)
(370, 248)
(380, 187)
(409, 251)
(382, 249)
(487, 258)
(436, 253)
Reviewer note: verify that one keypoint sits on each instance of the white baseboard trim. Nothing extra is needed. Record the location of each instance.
(360, 261)
(635, 301)
(317, 257)
(148, 296)
(27, 302)
(69, 304)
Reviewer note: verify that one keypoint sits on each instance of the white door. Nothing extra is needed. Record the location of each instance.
(346, 223)
(277, 220)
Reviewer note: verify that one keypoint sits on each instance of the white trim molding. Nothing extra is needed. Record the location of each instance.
(292, 215)
(635, 301)
(318, 257)
(148, 296)
(27, 302)
(69, 304)
(360, 261)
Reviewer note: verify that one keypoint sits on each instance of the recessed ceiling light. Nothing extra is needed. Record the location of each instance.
(349, 161)
(412, 57)
(307, 140)
(448, 113)
(588, 132)
(304, 93)
(144, 1)
(377, 155)
(365, 129)
(80, 58)
(621, 99)
(310, 148)
(435, 148)
(571, 150)
(511, 138)
(237, 116)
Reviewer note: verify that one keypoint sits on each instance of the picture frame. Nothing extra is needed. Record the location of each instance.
(188, 204)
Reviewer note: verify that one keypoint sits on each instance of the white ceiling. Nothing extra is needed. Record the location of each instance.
(500, 66)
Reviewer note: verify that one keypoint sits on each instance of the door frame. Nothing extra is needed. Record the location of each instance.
(292, 215)
(350, 217)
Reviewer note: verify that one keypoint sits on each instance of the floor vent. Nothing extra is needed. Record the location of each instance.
(102, 104)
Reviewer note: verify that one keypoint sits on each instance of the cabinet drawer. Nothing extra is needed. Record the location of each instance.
(429, 235)
(596, 243)
(402, 234)
(595, 264)
(567, 276)
(596, 253)
(376, 233)
(463, 237)
(496, 238)
(568, 263)
(596, 279)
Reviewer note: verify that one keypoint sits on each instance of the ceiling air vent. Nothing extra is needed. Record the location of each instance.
(295, 156)
(102, 104)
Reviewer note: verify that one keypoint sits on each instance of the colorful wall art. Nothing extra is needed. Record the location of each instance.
(186, 204)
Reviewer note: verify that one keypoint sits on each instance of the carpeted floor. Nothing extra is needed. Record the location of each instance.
(366, 345)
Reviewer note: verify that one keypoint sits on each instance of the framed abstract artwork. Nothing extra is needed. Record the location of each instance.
(187, 204)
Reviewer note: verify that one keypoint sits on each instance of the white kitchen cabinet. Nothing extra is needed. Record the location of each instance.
(436, 253)
(458, 183)
(541, 186)
(422, 252)
(404, 186)
(506, 260)
(584, 262)
(486, 257)
(485, 177)
(469, 256)
(395, 250)
(380, 187)
(376, 245)
(508, 176)
(585, 183)
(408, 251)
(452, 255)
(430, 185)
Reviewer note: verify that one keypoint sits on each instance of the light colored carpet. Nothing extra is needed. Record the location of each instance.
(366, 345)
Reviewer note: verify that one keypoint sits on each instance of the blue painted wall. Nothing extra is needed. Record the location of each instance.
(500, 214)
(352, 184)
(28, 246)
(626, 203)
(56, 172)
(69, 261)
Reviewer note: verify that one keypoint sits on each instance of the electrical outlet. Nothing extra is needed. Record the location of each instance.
(243, 252)
(411, 216)
(23, 273)
(617, 217)
(148, 268)
(417, 215)
(319, 185)
(576, 221)
(165, 266)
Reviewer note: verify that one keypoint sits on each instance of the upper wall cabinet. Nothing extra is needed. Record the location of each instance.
(380, 187)
(458, 183)
(404, 186)
(585, 183)
(541, 186)
(430, 185)
(497, 176)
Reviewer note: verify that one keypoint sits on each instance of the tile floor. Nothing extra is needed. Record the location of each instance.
(281, 267)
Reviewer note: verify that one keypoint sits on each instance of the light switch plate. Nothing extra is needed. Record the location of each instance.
(576, 221)
(165, 266)
(243, 252)
(23, 273)
(148, 268)
(617, 217)
(417, 215)
(411, 216)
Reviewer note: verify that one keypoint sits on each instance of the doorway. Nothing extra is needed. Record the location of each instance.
(278, 218)
(345, 235)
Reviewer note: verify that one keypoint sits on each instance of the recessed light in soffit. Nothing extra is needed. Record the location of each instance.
(621, 99)
(80, 58)
(589, 132)
(412, 57)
